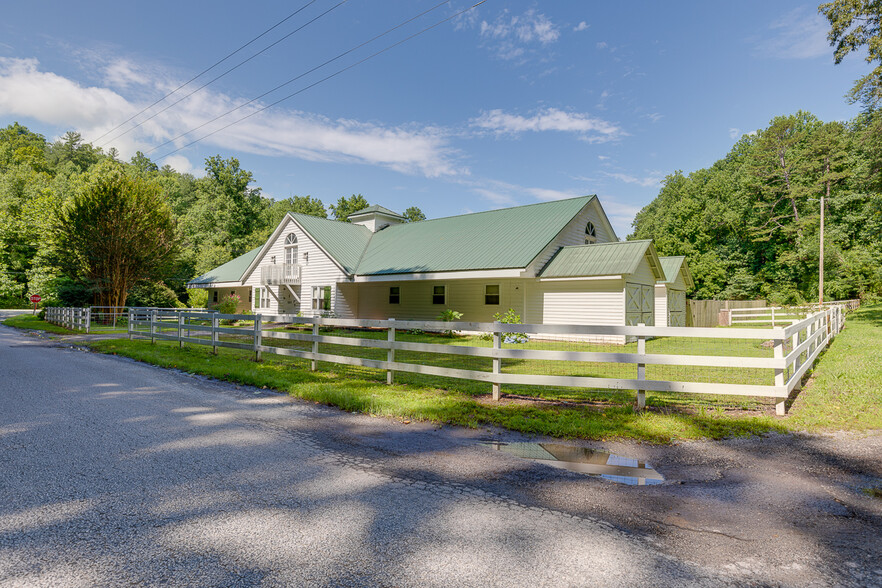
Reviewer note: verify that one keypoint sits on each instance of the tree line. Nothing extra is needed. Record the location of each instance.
(750, 223)
(78, 226)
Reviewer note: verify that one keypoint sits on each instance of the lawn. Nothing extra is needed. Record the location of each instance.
(849, 399)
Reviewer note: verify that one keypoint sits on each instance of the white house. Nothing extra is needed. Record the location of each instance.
(553, 262)
(670, 292)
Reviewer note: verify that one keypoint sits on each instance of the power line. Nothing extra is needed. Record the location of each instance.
(206, 70)
(235, 67)
(294, 79)
(326, 78)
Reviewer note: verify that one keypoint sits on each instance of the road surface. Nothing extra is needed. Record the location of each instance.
(116, 473)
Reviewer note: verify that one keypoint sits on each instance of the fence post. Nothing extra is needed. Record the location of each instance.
(152, 326)
(773, 317)
(780, 406)
(257, 337)
(180, 330)
(315, 332)
(390, 354)
(214, 324)
(129, 328)
(641, 369)
(497, 344)
(88, 319)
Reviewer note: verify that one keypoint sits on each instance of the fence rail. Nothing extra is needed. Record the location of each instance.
(775, 315)
(76, 319)
(793, 350)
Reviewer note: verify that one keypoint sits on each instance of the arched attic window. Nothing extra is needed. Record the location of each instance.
(590, 233)
(291, 248)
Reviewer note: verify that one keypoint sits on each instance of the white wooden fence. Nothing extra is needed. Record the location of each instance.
(783, 315)
(73, 318)
(804, 341)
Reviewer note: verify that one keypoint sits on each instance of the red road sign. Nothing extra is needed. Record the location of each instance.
(35, 298)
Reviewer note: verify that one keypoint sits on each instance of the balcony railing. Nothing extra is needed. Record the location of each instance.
(280, 273)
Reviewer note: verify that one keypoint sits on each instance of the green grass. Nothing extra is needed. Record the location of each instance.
(845, 390)
(28, 321)
(849, 400)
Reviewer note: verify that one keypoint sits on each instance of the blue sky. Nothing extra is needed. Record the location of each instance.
(510, 103)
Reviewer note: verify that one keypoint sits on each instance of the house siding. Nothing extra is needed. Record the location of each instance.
(242, 291)
(319, 271)
(661, 305)
(465, 296)
(572, 234)
(577, 302)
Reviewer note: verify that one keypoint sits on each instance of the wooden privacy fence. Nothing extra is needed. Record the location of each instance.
(793, 350)
(706, 313)
(76, 319)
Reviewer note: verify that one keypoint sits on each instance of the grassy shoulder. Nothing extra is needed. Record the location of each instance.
(845, 389)
(32, 323)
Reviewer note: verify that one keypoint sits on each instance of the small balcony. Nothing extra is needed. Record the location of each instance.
(280, 274)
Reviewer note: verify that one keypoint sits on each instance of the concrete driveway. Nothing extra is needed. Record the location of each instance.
(114, 472)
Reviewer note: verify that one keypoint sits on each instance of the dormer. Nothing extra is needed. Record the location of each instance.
(375, 218)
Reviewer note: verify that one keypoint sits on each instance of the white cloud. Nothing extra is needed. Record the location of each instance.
(497, 198)
(734, 133)
(652, 179)
(582, 26)
(122, 73)
(601, 45)
(549, 194)
(512, 35)
(654, 116)
(25, 91)
(181, 164)
(799, 34)
(550, 119)
(28, 92)
(603, 157)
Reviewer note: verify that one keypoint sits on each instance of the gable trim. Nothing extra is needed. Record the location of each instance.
(272, 239)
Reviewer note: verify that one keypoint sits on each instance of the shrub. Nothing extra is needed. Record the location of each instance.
(509, 318)
(153, 294)
(449, 316)
(228, 304)
(197, 297)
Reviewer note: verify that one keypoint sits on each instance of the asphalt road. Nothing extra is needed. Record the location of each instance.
(117, 473)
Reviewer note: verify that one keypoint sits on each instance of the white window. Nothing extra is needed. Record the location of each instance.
(491, 294)
(291, 249)
(439, 294)
(590, 233)
(321, 298)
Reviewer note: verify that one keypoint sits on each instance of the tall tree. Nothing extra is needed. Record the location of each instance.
(855, 25)
(299, 204)
(227, 215)
(414, 214)
(346, 206)
(116, 231)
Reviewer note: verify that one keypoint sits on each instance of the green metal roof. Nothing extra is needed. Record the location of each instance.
(229, 272)
(375, 208)
(345, 242)
(672, 265)
(599, 259)
(496, 239)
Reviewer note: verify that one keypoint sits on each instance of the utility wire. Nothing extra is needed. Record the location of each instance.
(294, 79)
(326, 78)
(237, 66)
(206, 70)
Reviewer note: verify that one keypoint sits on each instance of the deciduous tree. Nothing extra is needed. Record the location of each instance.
(114, 232)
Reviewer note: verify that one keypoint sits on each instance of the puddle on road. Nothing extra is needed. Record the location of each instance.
(609, 466)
